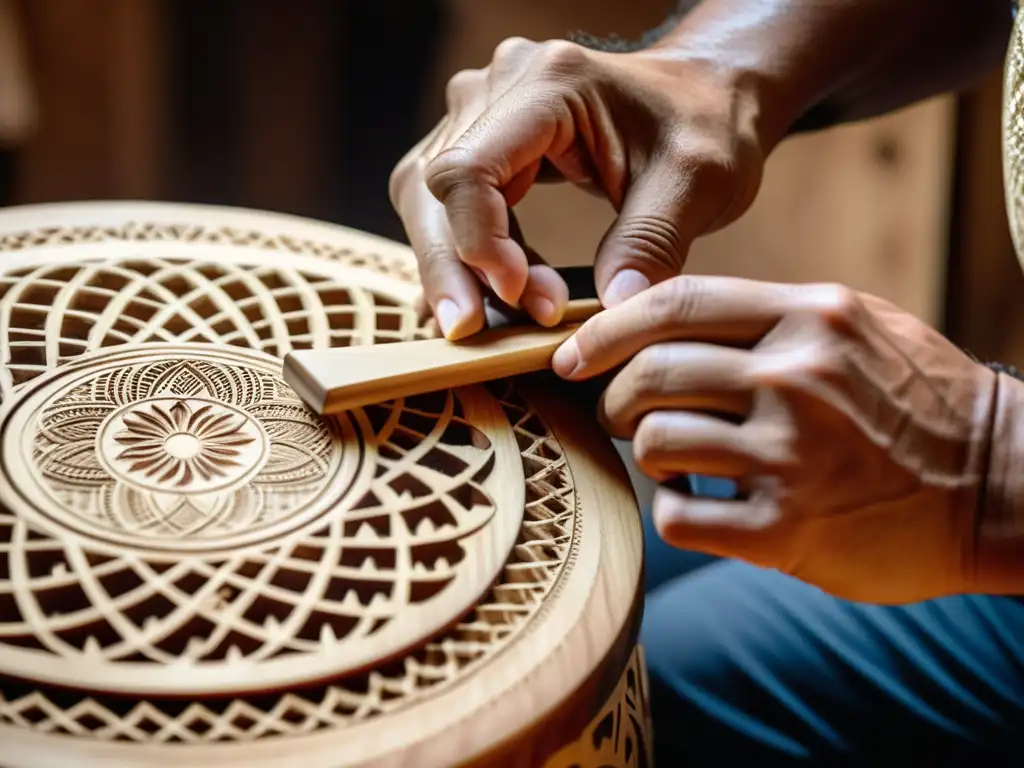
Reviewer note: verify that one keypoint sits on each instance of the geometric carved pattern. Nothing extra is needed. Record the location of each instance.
(168, 302)
(543, 547)
(265, 306)
(293, 535)
(202, 234)
(620, 735)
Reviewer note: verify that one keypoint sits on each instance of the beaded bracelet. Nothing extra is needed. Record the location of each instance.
(1009, 370)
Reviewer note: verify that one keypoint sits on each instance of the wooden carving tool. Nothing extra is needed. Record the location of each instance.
(340, 379)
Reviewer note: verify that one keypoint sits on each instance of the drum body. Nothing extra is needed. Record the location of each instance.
(195, 568)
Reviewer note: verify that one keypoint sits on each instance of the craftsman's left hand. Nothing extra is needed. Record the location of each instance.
(857, 434)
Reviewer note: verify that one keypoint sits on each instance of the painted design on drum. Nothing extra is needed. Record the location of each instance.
(620, 735)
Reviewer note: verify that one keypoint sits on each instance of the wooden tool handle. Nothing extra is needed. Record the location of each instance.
(341, 379)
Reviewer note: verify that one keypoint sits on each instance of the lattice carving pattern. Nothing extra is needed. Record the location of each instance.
(186, 233)
(543, 547)
(264, 305)
(619, 736)
(168, 570)
(270, 307)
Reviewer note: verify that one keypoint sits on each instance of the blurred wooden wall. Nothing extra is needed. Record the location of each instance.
(985, 290)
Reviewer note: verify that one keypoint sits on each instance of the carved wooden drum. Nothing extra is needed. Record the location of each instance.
(196, 569)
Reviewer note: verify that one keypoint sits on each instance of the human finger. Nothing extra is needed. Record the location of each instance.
(670, 444)
(677, 376)
(450, 289)
(676, 196)
(750, 529)
(719, 310)
(470, 178)
(546, 294)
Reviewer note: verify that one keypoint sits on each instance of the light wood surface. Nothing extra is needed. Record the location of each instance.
(337, 380)
(195, 568)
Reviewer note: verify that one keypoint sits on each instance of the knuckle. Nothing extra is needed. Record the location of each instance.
(648, 371)
(613, 412)
(799, 370)
(718, 171)
(824, 365)
(837, 304)
(712, 163)
(773, 443)
(436, 261)
(462, 83)
(512, 48)
(404, 173)
(674, 300)
(725, 182)
(649, 442)
(562, 57)
(654, 237)
(435, 258)
(590, 339)
(395, 183)
(453, 168)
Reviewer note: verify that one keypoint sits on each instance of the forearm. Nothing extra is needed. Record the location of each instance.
(820, 62)
(998, 551)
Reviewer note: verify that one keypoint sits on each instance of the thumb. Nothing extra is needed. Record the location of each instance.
(649, 241)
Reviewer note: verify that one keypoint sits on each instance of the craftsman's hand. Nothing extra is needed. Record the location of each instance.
(858, 435)
(670, 142)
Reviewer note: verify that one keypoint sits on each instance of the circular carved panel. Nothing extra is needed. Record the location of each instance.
(178, 521)
(183, 446)
(190, 558)
(181, 449)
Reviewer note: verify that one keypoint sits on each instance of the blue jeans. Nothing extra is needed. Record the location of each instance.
(748, 665)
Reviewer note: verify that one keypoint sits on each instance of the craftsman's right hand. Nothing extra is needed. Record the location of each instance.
(671, 143)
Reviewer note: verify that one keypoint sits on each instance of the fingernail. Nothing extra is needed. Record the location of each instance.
(566, 360)
(540, 308)
(448, 314)
(626, 284)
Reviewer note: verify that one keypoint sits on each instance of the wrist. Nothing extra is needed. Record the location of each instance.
(757, 99)
(998, 547)
(802, 64)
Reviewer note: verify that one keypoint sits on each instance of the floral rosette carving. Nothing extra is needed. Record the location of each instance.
(175, 449)
(179, 446)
